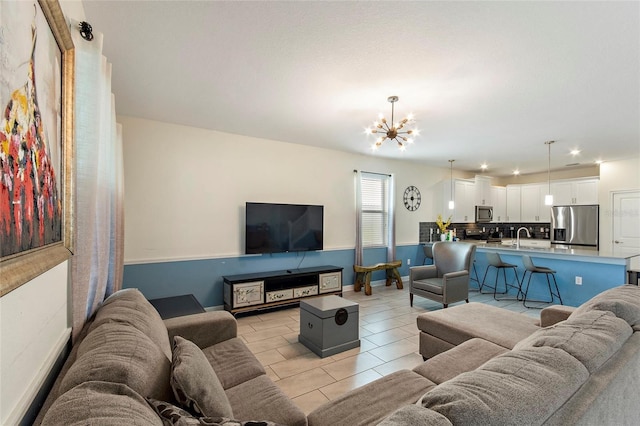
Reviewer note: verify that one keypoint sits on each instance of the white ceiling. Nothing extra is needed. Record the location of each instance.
(487, 81)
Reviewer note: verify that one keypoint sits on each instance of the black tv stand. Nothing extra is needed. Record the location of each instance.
(261, 290)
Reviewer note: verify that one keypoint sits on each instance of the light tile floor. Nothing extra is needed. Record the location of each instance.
(388, 343)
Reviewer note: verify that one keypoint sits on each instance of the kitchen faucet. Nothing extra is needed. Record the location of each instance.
(518, 236)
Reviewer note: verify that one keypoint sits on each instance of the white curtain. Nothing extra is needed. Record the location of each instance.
(391, 237)
(358, 257)
(97, 263)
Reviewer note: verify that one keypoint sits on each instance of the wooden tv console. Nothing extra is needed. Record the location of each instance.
(260, 290)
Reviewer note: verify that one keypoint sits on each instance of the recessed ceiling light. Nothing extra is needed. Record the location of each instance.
(599, 161)
(516, 172)
(575, 152)
(484, 166)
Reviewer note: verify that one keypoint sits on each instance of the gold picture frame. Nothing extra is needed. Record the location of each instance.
(19, 268)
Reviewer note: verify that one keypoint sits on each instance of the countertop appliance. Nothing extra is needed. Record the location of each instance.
(575, 226)
(474, 234)
(484, 214)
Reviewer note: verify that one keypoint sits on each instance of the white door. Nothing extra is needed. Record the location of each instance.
(626, 224)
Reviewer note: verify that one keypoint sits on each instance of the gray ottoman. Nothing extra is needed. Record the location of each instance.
(446, 328)
(329, 325)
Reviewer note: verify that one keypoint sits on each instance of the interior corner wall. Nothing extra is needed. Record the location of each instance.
(34, 322)
(614, 176)
(186, 189)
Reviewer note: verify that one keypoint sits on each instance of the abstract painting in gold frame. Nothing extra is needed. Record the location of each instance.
(36, 140)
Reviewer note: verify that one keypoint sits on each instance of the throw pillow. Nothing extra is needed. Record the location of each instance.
(195, 384)
(176, 416)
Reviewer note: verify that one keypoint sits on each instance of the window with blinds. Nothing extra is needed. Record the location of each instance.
(375, 209)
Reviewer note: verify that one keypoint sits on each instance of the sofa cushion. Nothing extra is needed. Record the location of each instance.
(465, 357)
(463, 322)
(119, 353)
(172, 415)
(371, 403)
(233, 362)
(623, 302)
(195, 384)
(415, 415)
(129, 306)
(519, 387)
(101, 404)
(592, 338)
(260, 398)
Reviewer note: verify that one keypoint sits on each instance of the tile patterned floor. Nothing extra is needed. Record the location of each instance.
(388, 338)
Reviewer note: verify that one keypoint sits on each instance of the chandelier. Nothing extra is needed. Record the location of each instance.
(393, 130)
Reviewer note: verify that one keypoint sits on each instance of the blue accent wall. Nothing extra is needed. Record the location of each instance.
(203, 278)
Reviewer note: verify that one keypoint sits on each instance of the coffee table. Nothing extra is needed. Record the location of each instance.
(329, 325)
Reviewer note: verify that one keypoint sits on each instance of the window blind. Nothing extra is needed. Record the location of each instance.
(375, 209)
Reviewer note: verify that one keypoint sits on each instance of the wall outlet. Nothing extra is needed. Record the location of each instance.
(578, 280)
(408, 261)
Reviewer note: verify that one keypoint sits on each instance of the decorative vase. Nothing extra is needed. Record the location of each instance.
(443, 237)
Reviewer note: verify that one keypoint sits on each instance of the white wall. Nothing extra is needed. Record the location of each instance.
(186, 189)
(34, 323)
(614, 176)
(34, 328)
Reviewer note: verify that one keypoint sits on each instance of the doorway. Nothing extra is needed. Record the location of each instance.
(626, 225)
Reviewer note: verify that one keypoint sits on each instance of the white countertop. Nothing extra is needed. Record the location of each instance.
(543, 248)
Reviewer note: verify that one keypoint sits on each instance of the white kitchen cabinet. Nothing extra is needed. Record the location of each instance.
(463, 198)
(532, 203)
(575, 191)
(499, 202)
(513, 203)
(483, 191)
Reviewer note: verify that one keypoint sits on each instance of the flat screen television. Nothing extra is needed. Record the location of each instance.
(280, 228)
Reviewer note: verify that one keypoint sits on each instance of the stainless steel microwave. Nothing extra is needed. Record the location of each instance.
(484, 214)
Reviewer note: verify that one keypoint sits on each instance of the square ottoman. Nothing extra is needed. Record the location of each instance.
(329, 325)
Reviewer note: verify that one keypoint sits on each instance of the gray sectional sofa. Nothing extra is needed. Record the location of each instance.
(582, 367)
(129, 368)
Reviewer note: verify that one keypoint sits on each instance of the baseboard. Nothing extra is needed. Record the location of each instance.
(29, 405)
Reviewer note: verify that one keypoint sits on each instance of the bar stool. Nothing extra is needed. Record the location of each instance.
(496, 262)
(476, 279)
(428, 253)
(533, 269)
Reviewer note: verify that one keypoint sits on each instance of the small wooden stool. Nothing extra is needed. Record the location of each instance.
(363, 275)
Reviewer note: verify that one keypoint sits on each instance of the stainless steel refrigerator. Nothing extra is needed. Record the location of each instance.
(575, 226)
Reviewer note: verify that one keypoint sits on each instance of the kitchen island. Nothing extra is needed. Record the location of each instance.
(596, 270)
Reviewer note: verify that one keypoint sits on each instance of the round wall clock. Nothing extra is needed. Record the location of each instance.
(412, 198)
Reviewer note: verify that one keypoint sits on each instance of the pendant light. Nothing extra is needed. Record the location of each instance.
(451, 203)
(548, 199)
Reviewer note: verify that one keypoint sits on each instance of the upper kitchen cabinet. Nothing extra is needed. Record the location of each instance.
(499, 202)
(532, 203)
(483, 191)
(513, 203)
(575, 191)
(464, 198)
